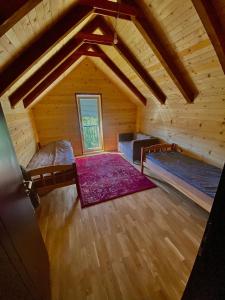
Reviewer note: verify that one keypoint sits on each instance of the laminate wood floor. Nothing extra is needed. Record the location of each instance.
(141, 246)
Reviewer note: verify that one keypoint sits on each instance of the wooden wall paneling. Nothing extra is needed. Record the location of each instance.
(120, 74)
(210, 18)
(198, 128)
(56, 115)
(50, 79)
(157, 40)
(22, 131)
(12, 11)
(137, 67)
(127, 70)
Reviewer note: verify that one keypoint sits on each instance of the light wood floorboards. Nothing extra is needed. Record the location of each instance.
(141, 246)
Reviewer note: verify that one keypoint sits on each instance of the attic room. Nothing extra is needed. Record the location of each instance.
(112, 149)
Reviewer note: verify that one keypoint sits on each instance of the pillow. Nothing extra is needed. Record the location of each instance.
(141, 136)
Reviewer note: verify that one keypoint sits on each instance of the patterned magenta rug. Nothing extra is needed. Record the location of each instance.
(108, 176)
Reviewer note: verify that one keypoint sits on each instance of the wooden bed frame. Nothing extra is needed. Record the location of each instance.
(46, 179)
(191, 192)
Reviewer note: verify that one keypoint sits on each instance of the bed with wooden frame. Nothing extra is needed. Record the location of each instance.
(194, 178)
(53, 166)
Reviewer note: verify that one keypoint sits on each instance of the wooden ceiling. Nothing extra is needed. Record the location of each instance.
(41, 39)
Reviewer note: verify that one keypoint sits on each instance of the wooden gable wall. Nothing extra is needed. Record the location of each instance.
(56, 113)
(22, 130)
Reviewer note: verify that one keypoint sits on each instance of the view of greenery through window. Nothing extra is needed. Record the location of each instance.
(90, 132)
(90, 122)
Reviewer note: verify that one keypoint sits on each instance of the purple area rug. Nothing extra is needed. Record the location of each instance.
(108, 176)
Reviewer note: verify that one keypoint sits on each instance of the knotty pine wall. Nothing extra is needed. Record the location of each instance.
(200, 127)
(56, 113)
(22, 131)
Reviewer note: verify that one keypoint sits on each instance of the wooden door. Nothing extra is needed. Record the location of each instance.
(90, 117)
(20, 237)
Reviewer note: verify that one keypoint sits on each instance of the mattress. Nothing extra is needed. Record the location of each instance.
(200, 175)
(55, 153)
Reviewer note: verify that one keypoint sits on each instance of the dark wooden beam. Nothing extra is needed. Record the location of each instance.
(45, 42)
(112, 8)
(11, 11)
(211, 21)
(120, 74)
(78, 12)
(52, 63)
(90, 53)
(54, 75)
(134, 63)
(97, 22)
(157, 40)
(112, 14)
(69, 61)
(96, 38)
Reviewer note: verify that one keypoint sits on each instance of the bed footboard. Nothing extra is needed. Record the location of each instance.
(157, 148)
(48, 178)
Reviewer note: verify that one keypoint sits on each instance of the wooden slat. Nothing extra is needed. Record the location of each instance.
(164, 52)
(111, 7)
(53, 76)
(44, 43)
(120, 74)
(134, 63)
(11, 11)
(211, 21)
(90, 53)
(96, 38)
(112, 14)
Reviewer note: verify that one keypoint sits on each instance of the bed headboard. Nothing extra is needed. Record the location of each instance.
(158, 148)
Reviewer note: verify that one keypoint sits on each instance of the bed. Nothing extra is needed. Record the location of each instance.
(52, 166)
(196, 179)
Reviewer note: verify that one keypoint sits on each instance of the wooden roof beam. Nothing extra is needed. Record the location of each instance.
(211, 21)
(54, 75)
(159, 44)
(120, 74)
(134, 63)
(110, 8)
(40, 46)
(78, 12)
(11, 11)
(69, 61)
(89, 53)
(52, 63)
(106, 39)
